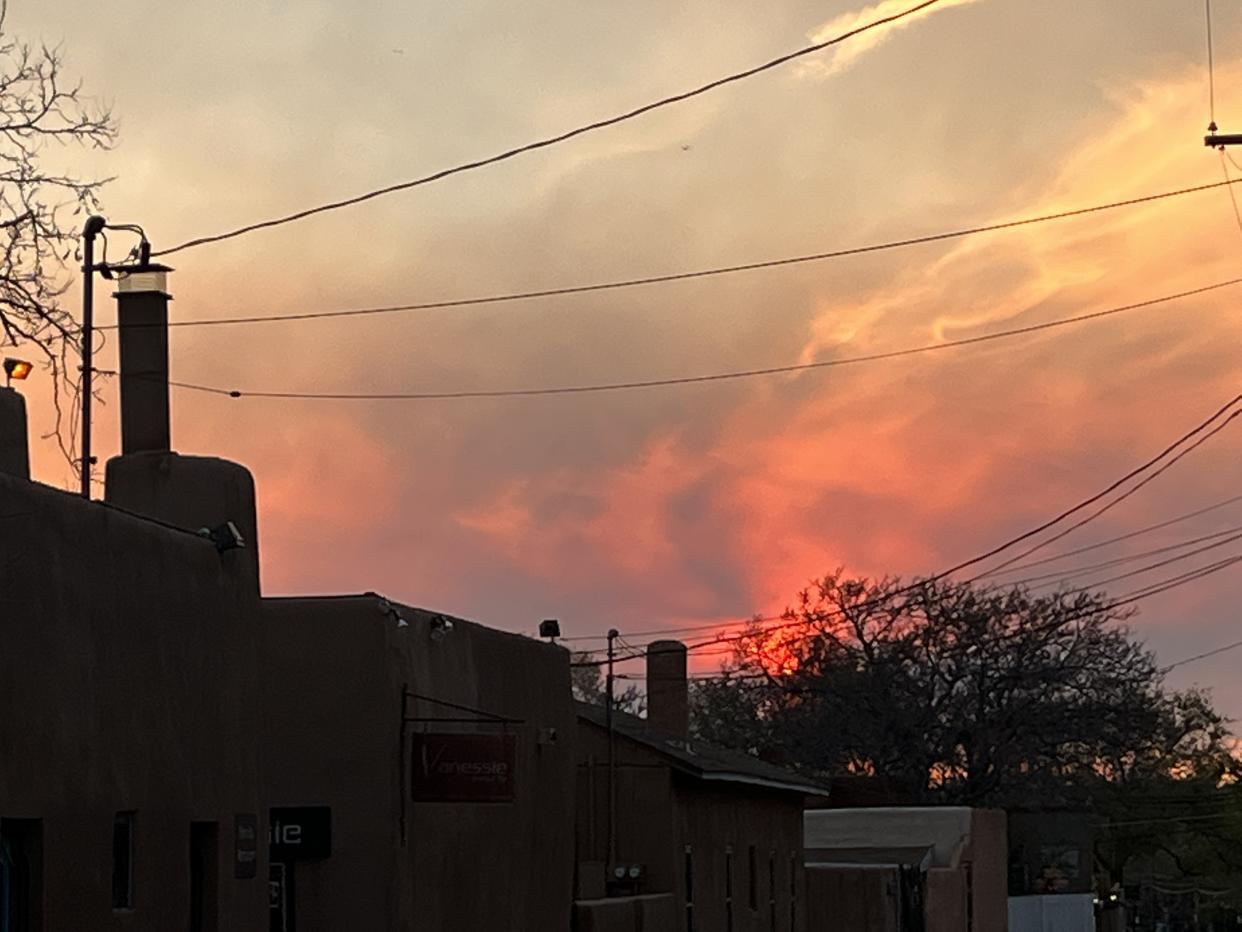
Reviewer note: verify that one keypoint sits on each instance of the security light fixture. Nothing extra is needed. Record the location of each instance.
(16, 369)
(440, 627)
(550, 628)
(225, 536)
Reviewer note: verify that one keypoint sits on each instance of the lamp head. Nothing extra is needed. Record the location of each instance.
(225, 536)
(17, 368)
(550, 628)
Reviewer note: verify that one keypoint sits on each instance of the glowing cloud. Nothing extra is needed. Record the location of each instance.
(849, 52)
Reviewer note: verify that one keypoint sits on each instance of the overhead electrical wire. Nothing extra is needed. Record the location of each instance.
(594, 388)
(1203, 656)
(1211, 68)
(553, 140)
(1129, 492)
(1074, 572)
(618, 284)
(1116, 540)
(1162, 586)
(1128, 598)
(1169, 522)
(1095, 584)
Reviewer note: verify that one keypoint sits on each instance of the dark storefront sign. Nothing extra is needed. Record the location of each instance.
(246, 845)
(457, 768)
(280, 897)
(299, 833)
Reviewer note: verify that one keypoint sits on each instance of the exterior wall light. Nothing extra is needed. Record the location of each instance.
(440, 627)
(16, 369)
(225, 536)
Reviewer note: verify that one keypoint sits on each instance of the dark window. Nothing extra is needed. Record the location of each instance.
(123, 861)
(729, 889)
(204, 858)
(21, 875)
(772, 891)
(689, 889)
(753, 898)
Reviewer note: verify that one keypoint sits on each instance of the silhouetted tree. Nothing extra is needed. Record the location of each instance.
(963, 694)
(587, 680)
(40, 114)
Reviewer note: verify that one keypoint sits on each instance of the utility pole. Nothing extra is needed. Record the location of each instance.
(613, 634)
(1215, 140)
(94, 226)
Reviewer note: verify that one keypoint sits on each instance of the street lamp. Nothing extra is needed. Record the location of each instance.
(94, 227)
(16, 369)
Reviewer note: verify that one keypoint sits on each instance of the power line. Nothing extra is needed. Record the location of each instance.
(553, 140)
(1130, 492)
(1203, 656)
(593, 388)
(1127, 599)
(1114, 540)
(1190, 576)
(1073, 572)
(1086, 503)
(713, 646)
(761, 619)
(1157, 565)
(617, 284)
(1211, 69)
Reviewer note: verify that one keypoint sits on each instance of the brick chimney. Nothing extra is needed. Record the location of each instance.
(14, 450)
(142, 318)
(668, 701)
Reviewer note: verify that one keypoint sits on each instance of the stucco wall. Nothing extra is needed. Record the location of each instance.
(745, 817)
(852, 899)
(646, 833)
(335, 669)
(945, 901)
(989, 865)
(128, 681)
(660, 812)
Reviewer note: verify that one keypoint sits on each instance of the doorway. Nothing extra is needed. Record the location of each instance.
(21, 875)
(204, 876)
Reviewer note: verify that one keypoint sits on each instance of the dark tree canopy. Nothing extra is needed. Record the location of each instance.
(589, 684)
(962, 694)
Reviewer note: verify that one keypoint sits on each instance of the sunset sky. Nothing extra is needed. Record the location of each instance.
(689, 505)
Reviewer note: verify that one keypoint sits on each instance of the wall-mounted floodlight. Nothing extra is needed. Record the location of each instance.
(440, 627)
(16, 369)
(225, 536)
(550, 628)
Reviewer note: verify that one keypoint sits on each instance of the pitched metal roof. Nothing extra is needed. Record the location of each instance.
(700, 760)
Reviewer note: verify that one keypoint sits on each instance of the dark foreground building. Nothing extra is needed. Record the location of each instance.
(129, 740)
(177, 752)
(706, 839)
(439, 751)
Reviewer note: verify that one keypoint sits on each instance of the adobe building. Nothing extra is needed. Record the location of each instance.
(438, 755)
(177, 752)
(907, 869)
(676, 834)
(129, 739)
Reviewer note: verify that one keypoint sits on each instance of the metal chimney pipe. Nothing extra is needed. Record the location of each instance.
(142, 317)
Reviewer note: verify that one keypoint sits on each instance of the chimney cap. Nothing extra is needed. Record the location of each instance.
(142, 278)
